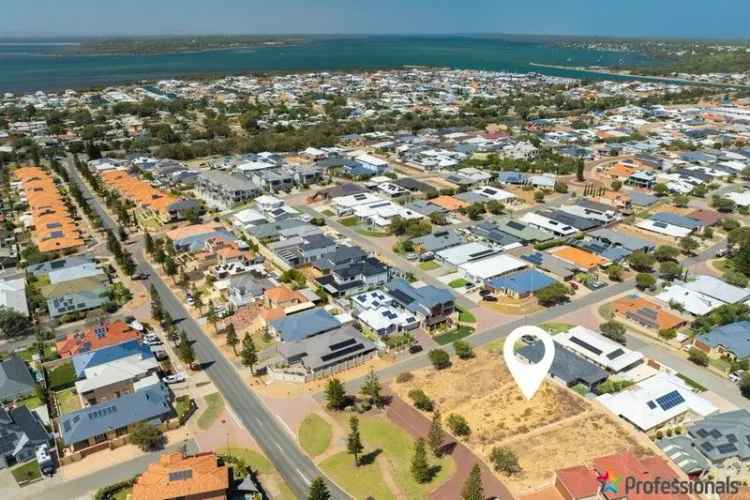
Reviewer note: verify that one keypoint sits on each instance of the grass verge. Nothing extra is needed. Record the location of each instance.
(364, 481)
(458, 283)
(429, 265)
(453, 335)
(315, 435)
(257, 461)
(27, 472)
(215, 405)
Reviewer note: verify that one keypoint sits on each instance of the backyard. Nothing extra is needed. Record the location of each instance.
(67, 401)
(545, 433)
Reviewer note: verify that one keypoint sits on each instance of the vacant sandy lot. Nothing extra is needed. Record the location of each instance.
(555, 429)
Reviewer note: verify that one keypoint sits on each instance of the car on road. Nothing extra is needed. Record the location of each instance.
(415, 348)
(594, 284)
(723, 252)
(489, 298)
(736, 377)
(175, 378)
(140, 276)
(412, 256)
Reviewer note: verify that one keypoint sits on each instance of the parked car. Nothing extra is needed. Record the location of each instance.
(489, 298)
(414, 349)
(425, 256)
(151, 340)
(175, 378)
(723, 252)
(736, 377)
(574, 285)
(412, 256)
(594, 284)
(485, 293)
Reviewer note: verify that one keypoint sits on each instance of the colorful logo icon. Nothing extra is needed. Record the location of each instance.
(609, 482)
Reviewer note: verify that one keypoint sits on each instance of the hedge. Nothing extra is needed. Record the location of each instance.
(108, 492)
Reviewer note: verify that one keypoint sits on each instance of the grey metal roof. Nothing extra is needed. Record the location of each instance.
(723, 435)
(567, 365)
(327, 349)
(304, 324)
(418, 300)
(15, 379)
(632, 243)
(440, 240)
(146, 404)
(16, 426)
(684, 454)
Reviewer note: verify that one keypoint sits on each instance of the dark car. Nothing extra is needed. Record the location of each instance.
(489, 298)
(414, 349)
(140, 276)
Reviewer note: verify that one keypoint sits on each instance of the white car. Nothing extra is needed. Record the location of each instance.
(175, 379)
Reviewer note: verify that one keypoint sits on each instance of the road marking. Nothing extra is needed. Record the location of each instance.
(303, 476)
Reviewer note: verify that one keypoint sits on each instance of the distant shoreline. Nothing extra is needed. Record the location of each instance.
(634, 76)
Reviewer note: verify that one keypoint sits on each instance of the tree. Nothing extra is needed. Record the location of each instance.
(475, 211)
(645, 281)
(666, 252)
(371, 388)
(670, 270)
(421, 400)
(147, 437)
(149, 243)
(248, 353)
(616, 185)
(745, 385)
(613, 330)
(614, 272)
(641, 261)
(232, 339)
(552, 294)
(579, 169)
(504, 460)
(458, 425)
(420, 469)
(698, 357)
(689, 245)
(708, 233)
(735, 278)
(661, 189)
(538, 196)
(14, 324)
(440, 359)
(185, 351)
(318, 490)
(742, 259)
(473, 488)
(435, 436)
(354, 441)
(335, 394)
(211, 316)
(495, 207)
(463, 349)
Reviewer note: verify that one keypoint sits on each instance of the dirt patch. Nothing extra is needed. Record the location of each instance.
(547, 433)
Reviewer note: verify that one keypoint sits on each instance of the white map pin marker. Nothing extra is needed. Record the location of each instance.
(528, 376)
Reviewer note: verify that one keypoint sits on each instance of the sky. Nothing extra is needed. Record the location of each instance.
(650, 18)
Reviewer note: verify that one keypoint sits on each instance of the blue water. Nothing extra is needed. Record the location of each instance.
(29, 65)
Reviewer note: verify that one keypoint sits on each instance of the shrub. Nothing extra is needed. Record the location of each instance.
(440, 359)
(404, 377)
(463, 349)
(458, 425)
(147, 437)
(421, 400)
(504, 460)
(698, 357)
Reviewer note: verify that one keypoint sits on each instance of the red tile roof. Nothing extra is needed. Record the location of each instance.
(95, 338)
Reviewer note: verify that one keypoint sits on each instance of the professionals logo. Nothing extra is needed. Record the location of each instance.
(609, 482)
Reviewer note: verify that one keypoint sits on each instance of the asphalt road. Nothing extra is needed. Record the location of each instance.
(293, 465)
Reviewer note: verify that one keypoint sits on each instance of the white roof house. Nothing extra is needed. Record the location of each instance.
(664, 228)
(497, 265)
(387, 319)
(461, 254)
(130, 368)
(553, 226)
(718, 289)
(13, 295)
(381, 213)
(693, 302)
(742, 199)
(493, 193)
(656, 401)
(246, 218)
(599, 349)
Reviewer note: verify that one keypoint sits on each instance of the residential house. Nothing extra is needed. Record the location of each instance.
(304, 324)
(519, 284)
(479, 271)
(434, 306)
(193, 238)
(133, 350)
(663, 399)
(550, 263)
(105, 421)
(222, 191)
(108, 381)
(354, 277)
(614, 238)
(602, 351)
(178, 476)
(648, 314)
(466, 252)
(547, 224)
(703, 294)
(13, 295)
(76, 295)
(21, 434)
(582, 260)
(567, 367)
(723, 437)
(300, 250)
(324, 354)
(16, 380)
(732, 340)
(101, 335)
(439, 240)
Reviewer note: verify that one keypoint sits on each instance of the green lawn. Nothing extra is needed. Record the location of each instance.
(62, 377)
(692, 383)
(27, 472)
(31, 402)
(398, 448)
(349, 221)
(458, 283)
(122, 493)
(372, 233)
(554, 327)
(466, 316)
(453, 335)
(328, 213)
(362, 482)
(720, 364)
(429, 265)
(215, 406)
(68, 401)
(724, 265)
(254, 459)
(182, 405)
(315, 434)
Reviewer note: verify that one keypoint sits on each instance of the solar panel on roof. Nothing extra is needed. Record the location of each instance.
(516, 225)
(707, 446)
(651, 404)
(702, 433)
(731, 438)
(181, 475)
(615, 354)
(585, 345)
(726, 448)
(670, 400)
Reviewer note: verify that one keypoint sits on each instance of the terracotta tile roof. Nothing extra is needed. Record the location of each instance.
(53, 227)
(281, 294)
(176, 476)
(621, 170)
(707, 217)
(95, 338)
(448, 202)
(664, 319)
(578, 481)
(626, 464)
(245, 316)
(192, 230)
(140, 191)
(578, 257)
